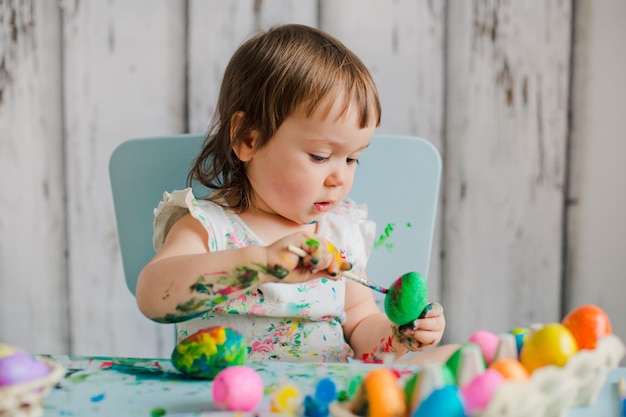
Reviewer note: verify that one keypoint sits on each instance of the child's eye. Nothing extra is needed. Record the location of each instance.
(351, 161)
(318, 158)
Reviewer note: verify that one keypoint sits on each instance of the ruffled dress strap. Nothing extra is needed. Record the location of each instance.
(180, 202)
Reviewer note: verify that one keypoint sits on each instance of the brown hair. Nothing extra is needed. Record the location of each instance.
(288, 68)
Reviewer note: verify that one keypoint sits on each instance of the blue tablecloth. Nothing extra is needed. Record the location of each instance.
(96, 386)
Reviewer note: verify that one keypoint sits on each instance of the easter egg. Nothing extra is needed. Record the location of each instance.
(237, 388)
(6, 350)
(510, 369)
(552, 344)
(205, 353)
(325, 391)
(406, 298)
(478, 392)
(487, 341)
(520, 333)
(587, 323)
(285, 399)
(445, 401)
(21, 367)
(384, 395)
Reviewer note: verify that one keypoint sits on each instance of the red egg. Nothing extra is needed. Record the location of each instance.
(587, 323)
(21, 367)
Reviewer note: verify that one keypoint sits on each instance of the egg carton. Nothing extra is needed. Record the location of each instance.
(551, 390)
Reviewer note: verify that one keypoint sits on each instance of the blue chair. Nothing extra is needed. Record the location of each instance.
(398, 178)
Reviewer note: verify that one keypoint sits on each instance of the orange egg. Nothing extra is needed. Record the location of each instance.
(385, 396)
(510, 369)
(587, 323)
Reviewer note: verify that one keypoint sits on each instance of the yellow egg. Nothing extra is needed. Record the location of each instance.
(553, 344)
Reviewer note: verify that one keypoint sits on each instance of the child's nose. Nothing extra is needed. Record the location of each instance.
(337, 177)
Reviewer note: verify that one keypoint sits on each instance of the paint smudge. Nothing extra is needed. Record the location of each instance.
(97, 398)
(383, 239)
(158, 412)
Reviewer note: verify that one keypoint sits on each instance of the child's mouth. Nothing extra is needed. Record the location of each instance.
(323, 207)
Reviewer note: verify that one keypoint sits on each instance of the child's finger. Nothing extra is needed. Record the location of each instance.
(432, 310)
(345, 265)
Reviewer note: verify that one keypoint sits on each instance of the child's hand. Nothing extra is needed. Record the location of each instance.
(301, 257)
(424, 332)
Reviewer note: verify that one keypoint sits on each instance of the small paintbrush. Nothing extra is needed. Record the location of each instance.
(348, 274)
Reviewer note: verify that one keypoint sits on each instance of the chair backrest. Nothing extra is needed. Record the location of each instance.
(398, 178)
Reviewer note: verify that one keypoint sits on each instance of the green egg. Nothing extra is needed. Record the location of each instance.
(406, 298)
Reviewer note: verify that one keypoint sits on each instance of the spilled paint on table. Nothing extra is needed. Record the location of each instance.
(148, 387)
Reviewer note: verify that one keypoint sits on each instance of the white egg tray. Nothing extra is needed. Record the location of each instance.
(551, 390)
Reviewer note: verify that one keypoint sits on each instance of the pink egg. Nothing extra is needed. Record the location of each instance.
(237, 388)
(488, 343)
(477, 394)
(21, 367)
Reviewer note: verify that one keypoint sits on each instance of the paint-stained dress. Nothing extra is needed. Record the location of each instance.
(287, 322)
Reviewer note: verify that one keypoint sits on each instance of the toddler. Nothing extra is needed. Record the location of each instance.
(295, 111)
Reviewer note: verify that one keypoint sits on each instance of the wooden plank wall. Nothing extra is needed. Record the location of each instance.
(525, 101)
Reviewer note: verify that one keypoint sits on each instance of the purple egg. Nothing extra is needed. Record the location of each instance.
(21, 367)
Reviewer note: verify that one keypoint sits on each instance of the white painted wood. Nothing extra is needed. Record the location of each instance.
(597, 221)
(402, 43)
(216, 29)
(506, 131)
(499, 116)
(124, 77)
(33, 299)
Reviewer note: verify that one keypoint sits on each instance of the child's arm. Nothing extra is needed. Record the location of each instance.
(371, 335)
(184, 279)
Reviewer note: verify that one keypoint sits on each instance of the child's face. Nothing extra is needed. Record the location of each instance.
(308, 166)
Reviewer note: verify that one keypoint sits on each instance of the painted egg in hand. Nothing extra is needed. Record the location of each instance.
(406, 298)
(205, 353)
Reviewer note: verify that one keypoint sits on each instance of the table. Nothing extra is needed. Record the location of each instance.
(116, 386)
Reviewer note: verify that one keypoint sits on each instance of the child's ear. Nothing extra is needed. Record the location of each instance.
(243, 143)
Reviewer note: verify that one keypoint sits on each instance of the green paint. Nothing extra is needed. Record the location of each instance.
(78, 378)
(158, 412)
(383, 239)
(279, 272)
(312, 243)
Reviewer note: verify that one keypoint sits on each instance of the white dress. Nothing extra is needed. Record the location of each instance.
(288, 322)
